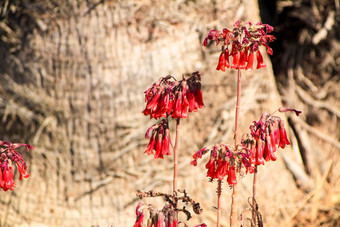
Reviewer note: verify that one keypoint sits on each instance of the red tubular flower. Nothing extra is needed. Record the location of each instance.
(173, 224)
(194, 162)
(252, 159)
(2, 184)
(193, 106)
(160, 220)
(9, 183)
(283, 136)
(259, 58)
(22, 168)
(211, 168)
(151, 145)
(259, 152)
(139, 221)
(243, 59)
(236, 61)
(158, 153)
(177, 110)
(273, 141)
(268, 152)
(221, 62)
(185, 104)
(199, 98)
(231, 175)
(152, 105)
(222, 169)
(139, 217)
(226, 58)
(166, 143)
(250, 61)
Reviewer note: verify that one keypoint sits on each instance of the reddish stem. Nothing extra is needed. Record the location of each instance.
(219, 190)
(254, 195)
(233, 212)
(176, 155)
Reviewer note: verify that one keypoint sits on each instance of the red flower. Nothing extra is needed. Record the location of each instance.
(199, 98)
(201, 225)
(9, 183)
(259, 58)
(22, 168)
(151, 145)
(231, 176)
(173, 98)
(222, 169)
(166, 143)
(236, 61)
(259, 152)
(211, 168)
(243, 59)
(152, 104)
(139, 217)
(250, 61)
(268, 152)
(283, 136)
(243, 37)
(2, 184)
(221, 62)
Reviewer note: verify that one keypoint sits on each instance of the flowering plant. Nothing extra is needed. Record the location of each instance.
(9, 157)
(245, 40)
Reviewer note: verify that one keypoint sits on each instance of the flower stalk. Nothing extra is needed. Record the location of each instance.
(233, 212)
(176, 156)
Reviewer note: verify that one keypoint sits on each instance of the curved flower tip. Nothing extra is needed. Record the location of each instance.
(201, 225)
(297, 112)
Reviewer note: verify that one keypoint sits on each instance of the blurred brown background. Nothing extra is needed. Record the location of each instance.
(72, 77)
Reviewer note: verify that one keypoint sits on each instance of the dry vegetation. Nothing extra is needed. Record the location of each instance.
(72, 76)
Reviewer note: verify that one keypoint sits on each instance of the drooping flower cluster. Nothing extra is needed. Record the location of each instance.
(266, 135)
(148, 217)
(8, 157)
(224, 162)
(168, 97)
(245, 40)
(159, 139)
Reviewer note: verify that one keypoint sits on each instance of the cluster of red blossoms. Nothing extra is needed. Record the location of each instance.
(223, 162)
(9, 156)
(168, 97)
(267, 134)
(159, 140)
(146, 216)
(164, 218)
(245, 40)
